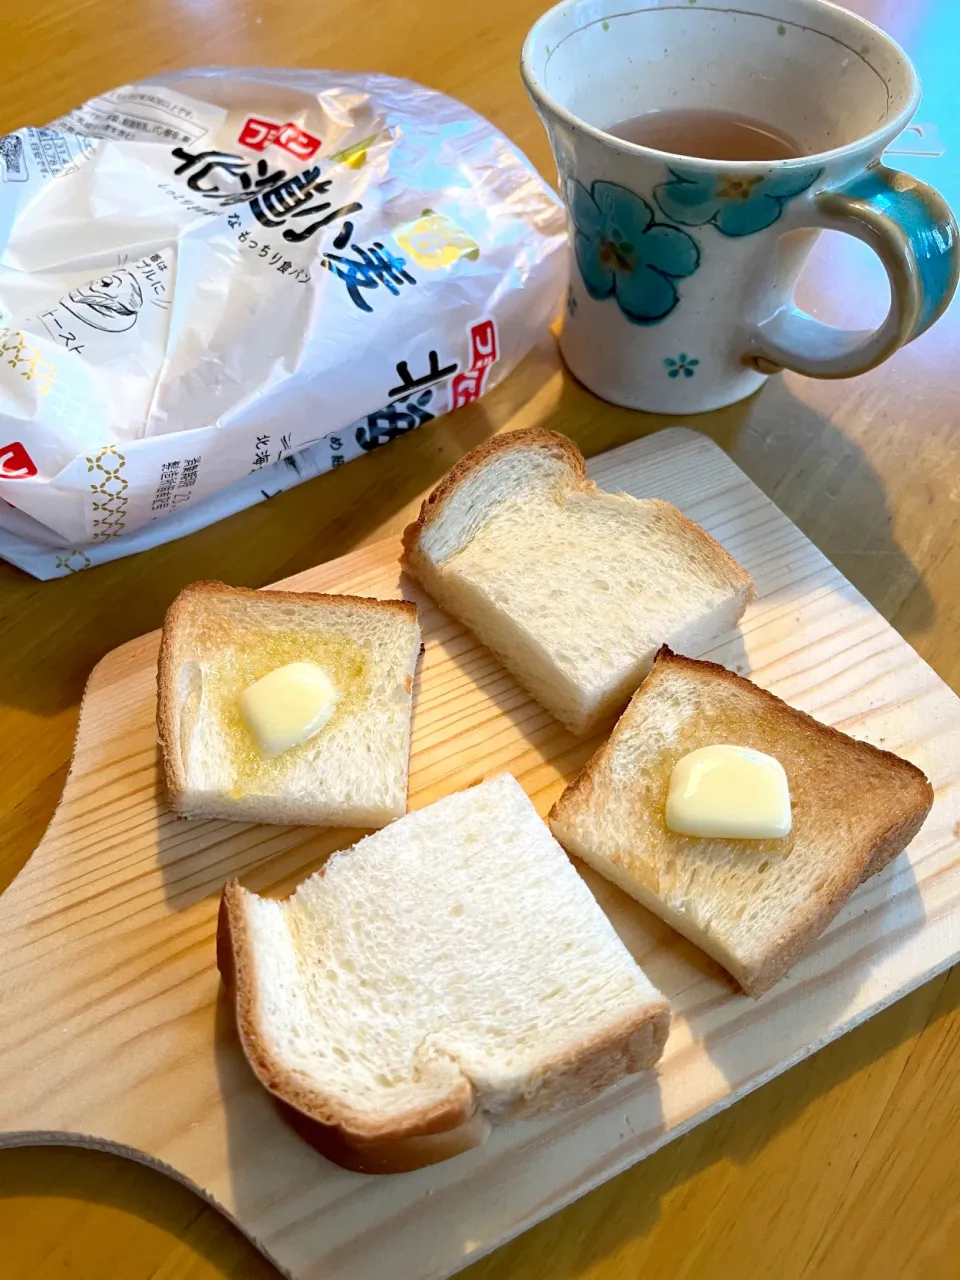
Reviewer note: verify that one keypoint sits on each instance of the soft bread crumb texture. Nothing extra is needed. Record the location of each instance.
(754, 905)
(454, 960)
(573, 588)
(218, 641)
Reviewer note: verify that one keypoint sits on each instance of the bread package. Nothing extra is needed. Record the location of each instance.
(224, 282)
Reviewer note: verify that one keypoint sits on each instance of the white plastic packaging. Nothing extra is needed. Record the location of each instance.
(219, 285)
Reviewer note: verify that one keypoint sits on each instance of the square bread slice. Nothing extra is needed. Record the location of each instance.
(218, 640)
(572, 588)
(756, 906)
(446, 973)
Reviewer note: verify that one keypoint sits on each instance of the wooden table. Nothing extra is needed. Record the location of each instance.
(846, 1166)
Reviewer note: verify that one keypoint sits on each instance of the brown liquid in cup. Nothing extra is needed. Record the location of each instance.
(712, 135)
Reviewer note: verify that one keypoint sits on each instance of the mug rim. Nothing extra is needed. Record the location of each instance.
(877, 138)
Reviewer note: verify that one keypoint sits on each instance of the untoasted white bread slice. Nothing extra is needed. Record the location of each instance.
(218, 640)
(574, 589)
(754, 905)
(450, 971)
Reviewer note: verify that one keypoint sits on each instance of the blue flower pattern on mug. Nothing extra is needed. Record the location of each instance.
(737, 205)
(683, 364)
(624, 253)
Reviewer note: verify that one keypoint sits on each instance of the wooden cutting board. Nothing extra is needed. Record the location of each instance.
(113, 1031)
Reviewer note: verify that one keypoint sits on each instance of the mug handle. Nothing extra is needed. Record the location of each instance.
(911, 229)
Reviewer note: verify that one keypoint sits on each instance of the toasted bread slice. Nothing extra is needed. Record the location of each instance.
(574, 589)
(756, 906)
(218, 640)
(446, 973)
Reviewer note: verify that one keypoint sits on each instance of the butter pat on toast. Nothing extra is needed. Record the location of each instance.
(756, 906)
(220, 653)
(574, 589)
(449, 972)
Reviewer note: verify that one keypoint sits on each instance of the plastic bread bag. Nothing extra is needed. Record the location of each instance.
(219, 284)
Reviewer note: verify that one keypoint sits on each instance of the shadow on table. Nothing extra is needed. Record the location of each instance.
(813, 470)
(101, 1179)
(614, 1215)
(98, 1241)
(825, 986)
(819, 477)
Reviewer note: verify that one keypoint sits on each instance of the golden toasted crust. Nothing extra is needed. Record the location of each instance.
(775, 705)
(713, 552)
(665, 659)
(531, 438)
(425, 1135)
(904, 814)
(170, 659)
(755, 981)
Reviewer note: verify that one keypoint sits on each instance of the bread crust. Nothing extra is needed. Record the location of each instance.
(903, 820)
(424, 1135)
(706, 561)
(553, 442)
(346, 1136)
(631, 1045)
(170, 658)
(712, 550)
(563, 448)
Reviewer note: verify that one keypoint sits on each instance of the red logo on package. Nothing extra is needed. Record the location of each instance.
(299, 143)
(15, 462)
(467, 387)
(259, 134)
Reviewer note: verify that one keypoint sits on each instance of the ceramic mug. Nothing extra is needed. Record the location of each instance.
(682, 277)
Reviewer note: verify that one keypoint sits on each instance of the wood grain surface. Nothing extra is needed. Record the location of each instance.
(847, 1165)
(115, 1032)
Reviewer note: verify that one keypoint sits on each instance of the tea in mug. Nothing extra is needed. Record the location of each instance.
(711, 135)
